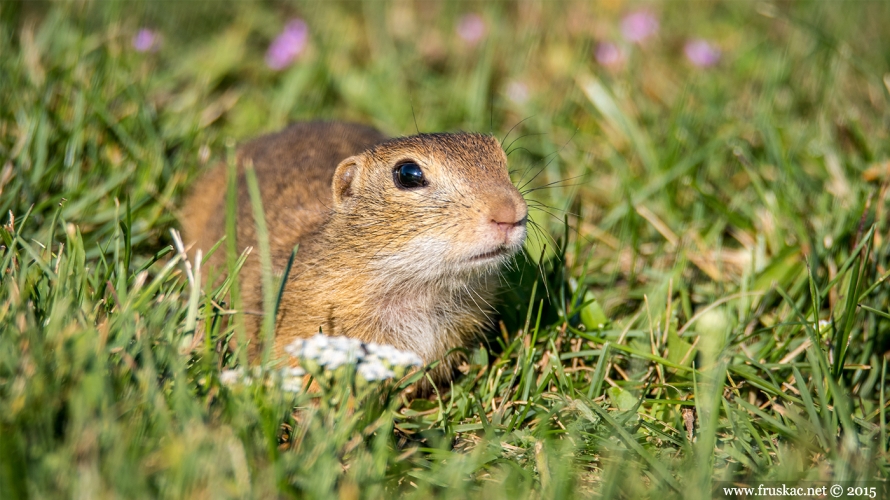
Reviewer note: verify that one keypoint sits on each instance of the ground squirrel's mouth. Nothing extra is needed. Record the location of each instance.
(499, 251)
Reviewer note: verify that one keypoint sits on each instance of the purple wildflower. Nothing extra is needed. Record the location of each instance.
(609, 54)
(518, 92)
(288, 45)
(145, 40)
(638, 26)
(701, 53)
(471, 28)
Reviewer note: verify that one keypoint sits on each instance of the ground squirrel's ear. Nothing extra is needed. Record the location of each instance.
(344, 176)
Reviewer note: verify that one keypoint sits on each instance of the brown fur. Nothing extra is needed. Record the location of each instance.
(410, 268)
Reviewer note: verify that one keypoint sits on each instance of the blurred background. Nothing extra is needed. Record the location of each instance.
(721, 130)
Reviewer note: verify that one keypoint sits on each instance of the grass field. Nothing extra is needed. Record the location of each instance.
(703, 300)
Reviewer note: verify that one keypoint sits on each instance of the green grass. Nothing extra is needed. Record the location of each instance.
(714, 217)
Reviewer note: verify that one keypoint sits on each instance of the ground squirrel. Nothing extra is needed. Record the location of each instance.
(400, 240)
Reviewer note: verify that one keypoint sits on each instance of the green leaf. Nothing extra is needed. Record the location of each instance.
(680, 351)
(621, 399)
(592, 314)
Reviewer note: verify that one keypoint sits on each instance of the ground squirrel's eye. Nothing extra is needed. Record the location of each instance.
(408, 176)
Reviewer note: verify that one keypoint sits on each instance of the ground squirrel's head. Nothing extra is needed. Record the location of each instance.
(431, 206)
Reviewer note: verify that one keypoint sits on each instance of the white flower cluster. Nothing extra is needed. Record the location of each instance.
(290, 379)
(328, 352)
(373, 361)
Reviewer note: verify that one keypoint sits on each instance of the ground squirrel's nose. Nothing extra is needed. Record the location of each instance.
(507, 212)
